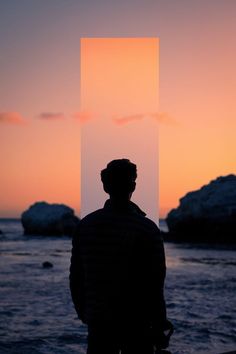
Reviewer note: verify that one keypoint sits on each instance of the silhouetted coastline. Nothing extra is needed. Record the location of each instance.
(43, 218)
(207, 215)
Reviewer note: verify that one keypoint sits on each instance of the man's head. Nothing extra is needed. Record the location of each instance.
(118, 178)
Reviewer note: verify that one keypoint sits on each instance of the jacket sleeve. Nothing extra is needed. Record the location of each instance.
(77, 277)
(157, 273)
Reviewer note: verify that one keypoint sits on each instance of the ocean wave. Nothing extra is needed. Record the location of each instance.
(210, 261)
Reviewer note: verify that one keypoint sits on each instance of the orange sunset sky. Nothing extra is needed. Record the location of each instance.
(119, 87)
(40, 106)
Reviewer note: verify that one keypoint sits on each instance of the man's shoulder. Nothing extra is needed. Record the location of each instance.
(93, 216)
(149, 225)
(132, 221)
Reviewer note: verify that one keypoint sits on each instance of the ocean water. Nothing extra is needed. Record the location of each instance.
(37, 315)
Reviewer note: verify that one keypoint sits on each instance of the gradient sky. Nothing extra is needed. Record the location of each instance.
(119, 86)
(40, 92)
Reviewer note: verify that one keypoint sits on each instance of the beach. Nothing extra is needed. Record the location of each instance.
(37, 314)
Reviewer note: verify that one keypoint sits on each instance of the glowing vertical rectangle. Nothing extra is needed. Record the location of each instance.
(119, 104)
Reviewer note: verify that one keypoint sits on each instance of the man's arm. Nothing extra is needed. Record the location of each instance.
(162, 327)
(158, 273)
(77, 277)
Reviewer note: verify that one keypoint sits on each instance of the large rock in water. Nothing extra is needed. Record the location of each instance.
(49, 219)
(206, 215)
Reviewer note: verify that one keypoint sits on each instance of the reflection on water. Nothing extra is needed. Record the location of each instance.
(37, 315)
(172, 262)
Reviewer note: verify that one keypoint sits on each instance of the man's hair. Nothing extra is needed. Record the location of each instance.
(119, 177)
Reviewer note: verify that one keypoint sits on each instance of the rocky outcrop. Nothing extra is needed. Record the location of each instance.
(47, 264)
(207, 214)
(49, 219)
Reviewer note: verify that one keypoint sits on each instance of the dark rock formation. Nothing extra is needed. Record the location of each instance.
(49, 219)
(47, 264)
(206, 215)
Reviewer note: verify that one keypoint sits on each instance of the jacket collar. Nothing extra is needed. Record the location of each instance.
(130, 207)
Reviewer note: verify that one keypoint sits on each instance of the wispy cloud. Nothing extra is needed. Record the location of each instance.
(12, 118)
(51, 115)
(83, 117)
(160, 117)
(127, 119)
(164, 118)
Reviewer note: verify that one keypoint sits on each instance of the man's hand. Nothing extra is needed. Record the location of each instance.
(161, 335)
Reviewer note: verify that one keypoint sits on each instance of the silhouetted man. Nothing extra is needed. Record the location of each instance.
(118, 269)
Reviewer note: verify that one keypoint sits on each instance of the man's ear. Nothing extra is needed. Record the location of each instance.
(105, 189)
(133, 186)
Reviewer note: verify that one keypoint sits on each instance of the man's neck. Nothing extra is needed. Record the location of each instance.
(119, 201)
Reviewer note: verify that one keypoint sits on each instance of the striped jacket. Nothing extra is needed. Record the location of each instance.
(118, 267)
